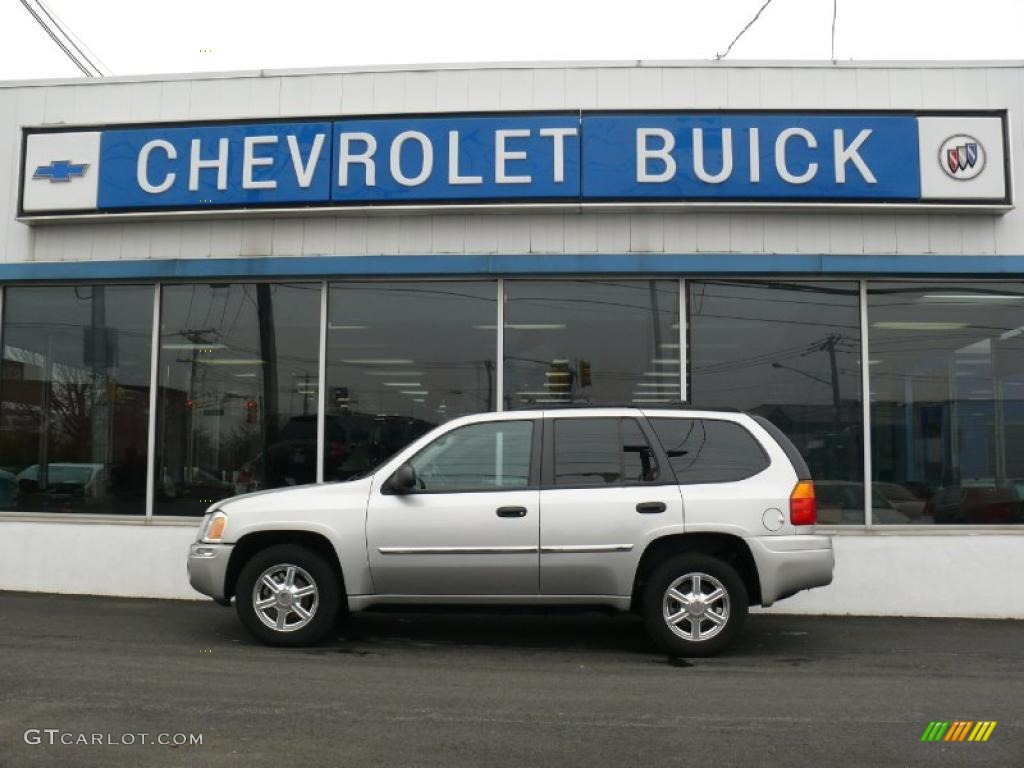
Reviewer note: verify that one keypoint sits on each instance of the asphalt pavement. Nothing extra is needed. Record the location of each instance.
(485, 690)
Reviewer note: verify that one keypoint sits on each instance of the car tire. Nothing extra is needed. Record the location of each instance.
(301, 607)
(717, 615)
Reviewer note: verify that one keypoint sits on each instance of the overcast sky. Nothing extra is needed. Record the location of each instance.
(136, 36)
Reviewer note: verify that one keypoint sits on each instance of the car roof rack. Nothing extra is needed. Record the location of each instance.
(674, 406)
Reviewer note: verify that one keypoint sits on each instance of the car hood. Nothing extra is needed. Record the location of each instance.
(299, 499)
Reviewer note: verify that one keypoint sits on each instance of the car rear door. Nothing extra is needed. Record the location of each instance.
(605, 493)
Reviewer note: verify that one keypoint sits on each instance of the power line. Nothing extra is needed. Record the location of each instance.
(60, 44)
(71, 37)
(750, 23)
(834, 4)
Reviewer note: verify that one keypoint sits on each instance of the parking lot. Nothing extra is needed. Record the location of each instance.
(495, 690)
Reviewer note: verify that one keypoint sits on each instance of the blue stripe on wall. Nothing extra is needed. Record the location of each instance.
(685, 265)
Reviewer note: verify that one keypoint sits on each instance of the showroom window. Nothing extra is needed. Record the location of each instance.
(947, 402)
(403, 357)
(74, 398)
(238, 396)
(789, 351)
(591, 342)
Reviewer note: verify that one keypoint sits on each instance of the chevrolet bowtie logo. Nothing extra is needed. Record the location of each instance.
(60, 170)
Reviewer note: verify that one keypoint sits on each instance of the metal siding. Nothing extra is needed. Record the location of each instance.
(448, 234)
(549, 89)
(482, 234)
(612, 88)
(452, 91)
(516, 89)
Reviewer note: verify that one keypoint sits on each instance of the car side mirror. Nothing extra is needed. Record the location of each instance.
(402, 481)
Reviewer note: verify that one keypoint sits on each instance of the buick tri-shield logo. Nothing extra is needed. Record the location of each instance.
(962, 157)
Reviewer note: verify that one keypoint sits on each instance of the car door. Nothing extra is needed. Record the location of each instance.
(605, 494)
(471, 526)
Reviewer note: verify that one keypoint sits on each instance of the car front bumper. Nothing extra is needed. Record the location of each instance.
(789, 564)
(207, 569)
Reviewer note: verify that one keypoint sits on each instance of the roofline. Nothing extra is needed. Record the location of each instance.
(499, 65)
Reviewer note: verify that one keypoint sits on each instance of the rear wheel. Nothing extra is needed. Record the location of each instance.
(288, 595)
(694, 605)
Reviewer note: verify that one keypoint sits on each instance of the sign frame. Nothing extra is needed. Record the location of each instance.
(529, 205)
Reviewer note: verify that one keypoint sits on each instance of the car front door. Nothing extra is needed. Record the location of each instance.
(471, 525)
(605, 495)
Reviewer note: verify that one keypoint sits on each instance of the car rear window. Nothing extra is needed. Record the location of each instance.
(709, 450)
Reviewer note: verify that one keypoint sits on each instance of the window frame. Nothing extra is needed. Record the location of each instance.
(548, 469)
(533, 480)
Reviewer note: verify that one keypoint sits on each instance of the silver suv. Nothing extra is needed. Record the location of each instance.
(684, 516)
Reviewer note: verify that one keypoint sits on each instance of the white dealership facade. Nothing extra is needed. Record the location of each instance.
(217, 283)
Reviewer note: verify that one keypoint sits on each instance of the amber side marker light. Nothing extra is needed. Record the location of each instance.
(803, 509)
(216, 530)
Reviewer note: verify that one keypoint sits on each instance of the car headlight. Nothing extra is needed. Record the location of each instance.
(213, 527)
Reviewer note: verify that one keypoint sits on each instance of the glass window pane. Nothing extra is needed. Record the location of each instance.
(709, 451)
(587, 452)
(479, 457)
(74, 398)
(593, 341)
(639, 463)
(789, 351)
(403, 357)
(947, 402)
(238, 391)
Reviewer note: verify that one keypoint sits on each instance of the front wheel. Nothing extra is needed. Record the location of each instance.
(694, 605)
(288, 595)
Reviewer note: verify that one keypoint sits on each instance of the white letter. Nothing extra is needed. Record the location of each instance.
(346, 158)
(850, 154)
(220, 163)
(644, 153)
(249, 162)
(780, 155)
(502, 155)
(140, 169)
(755, 157)
(453, 163)
(558, 137)
(698, 157)
(396, 158)
(34, 738)
(304, 174)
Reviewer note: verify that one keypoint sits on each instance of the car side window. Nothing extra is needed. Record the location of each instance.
(491, 456)
(709, 450)
(602, 451)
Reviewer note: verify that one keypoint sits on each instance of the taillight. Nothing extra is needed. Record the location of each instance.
(803, 509)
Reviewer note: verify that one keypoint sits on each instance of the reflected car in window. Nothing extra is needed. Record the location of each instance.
(66, 483)
(971, 504)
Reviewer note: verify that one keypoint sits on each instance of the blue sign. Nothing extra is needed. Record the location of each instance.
(750, 157)
(457, 158)
(202, 166)
(575, 158)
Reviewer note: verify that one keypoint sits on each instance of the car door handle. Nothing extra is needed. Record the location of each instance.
(650, 507)
(511, 511)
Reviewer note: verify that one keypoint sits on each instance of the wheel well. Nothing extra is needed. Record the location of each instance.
(731, 549)
(252, 543)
